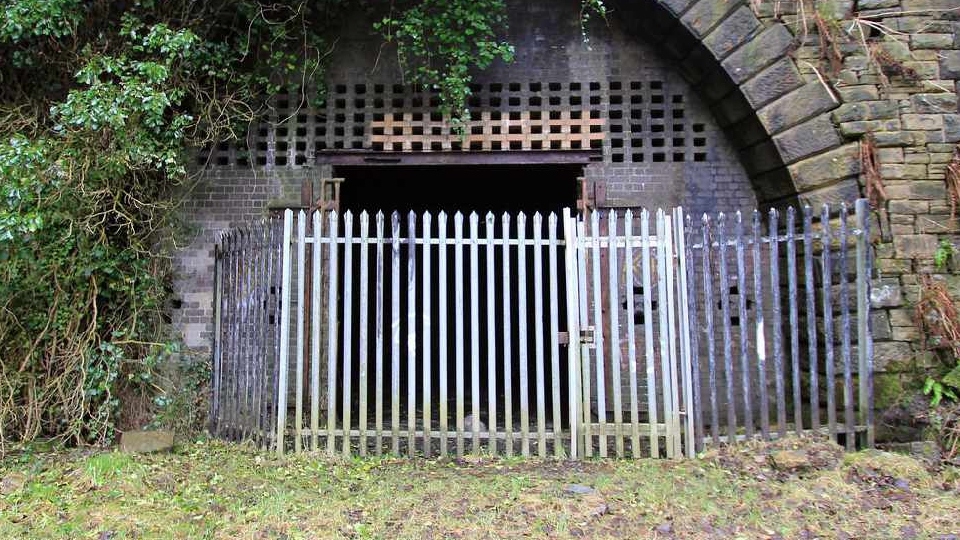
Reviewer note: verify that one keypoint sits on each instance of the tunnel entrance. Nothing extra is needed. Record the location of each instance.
(511, 366)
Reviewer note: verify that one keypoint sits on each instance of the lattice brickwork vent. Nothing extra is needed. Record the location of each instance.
(636, 121)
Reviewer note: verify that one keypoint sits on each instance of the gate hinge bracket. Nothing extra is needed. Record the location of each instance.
(586, 335)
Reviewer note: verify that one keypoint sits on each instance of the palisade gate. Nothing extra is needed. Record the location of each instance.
(425, 334)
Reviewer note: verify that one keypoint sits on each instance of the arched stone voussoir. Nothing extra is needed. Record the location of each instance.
(781, 123)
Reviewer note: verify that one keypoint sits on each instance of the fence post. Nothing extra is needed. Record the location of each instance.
(217, 339)
(573, 326)
(864, 336)
(284, 330)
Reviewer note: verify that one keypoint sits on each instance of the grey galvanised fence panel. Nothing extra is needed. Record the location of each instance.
(704, 329)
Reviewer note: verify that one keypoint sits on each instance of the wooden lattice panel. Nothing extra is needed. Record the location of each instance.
(489, 131)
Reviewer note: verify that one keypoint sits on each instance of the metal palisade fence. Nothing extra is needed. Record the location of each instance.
(618, 332)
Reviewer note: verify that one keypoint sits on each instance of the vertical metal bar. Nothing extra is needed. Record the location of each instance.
(848, 417)
(628, 264)
(686, 357)
(426, 333)
(614, 317)
(458, 311)
(507, 337)
(538, 333)
(276, 278)
(727, 330)
(583, 310)
(347, 330)
(794, 318)
(744, 330)
(554, 308)
(810, 287)
(777, 322)
(694, 333)
(442, 311)
(827, 243)
(475, 329)
(395, 293)
(864, 340)
(217, 358)
(284, 330)
(491, 308)
(332, 330)
(363, 330)
(708, 310)
(537, 340)
(664, 326)
(598, 318)
(648, 334)
(573, 326)
(301, 299)
(259, 331)
(757, 253)
(522, 352)
(378, 356)
(316, 286)
(507, 345)
(411, 334)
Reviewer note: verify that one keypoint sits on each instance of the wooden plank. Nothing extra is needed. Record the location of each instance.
(827, 243)
(631, 334)
(378, 339)
(745, 370)
(287, 268)
(727, 330)
(522, 351)
(663, 310)
(395, 293)
(573, 327)
(442, 310)
(760, 329)
(475, 330)
(460, 340)
(648, 322)
(671, 383)
(864, 339)
(427, 336)
(491, 309)
(347, 323)
(363, 331)
(708, 311)
(538, 344)
(810, 288)
(554, 309)
(507, 336)
(613, 268)
(845, 331)
(411, 334)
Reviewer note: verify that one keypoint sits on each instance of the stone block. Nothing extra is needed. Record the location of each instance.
(908, 207)
(880, 325)
(894, 139)
(890, 155)
(859, 92)
(702, 16)
(735, 30)
(951, 128)
(843, 191)
(898, 171)
(827, 167)
(877, 4)
(888, 388)
(934, 103)
(142, 442)
(923, 122)
(915, 246)
(805, 102)
(806, 139)
(931, 41)
(885, 294)
(676, 6)
(892, 356)
(772, 83)
(754, 55)
(938, 224)
(866, 110)
(928, 5)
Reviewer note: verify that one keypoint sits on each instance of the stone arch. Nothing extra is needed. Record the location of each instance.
(779, 122)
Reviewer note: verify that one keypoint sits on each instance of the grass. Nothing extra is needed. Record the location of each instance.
(211, 489)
